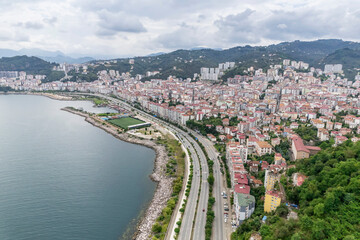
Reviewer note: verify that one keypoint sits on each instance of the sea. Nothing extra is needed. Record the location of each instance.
(62, 178)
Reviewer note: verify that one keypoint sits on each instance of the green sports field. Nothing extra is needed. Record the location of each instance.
(125, 122)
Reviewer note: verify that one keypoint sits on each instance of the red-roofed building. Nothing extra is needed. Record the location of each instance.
(264, 165)
(272, 201)
(298, 179)
(340, 140)
(242, 188)
(301, 151)
(257, 183)
(211, 137)
(275, 141)
(241, 178)
(226, 122)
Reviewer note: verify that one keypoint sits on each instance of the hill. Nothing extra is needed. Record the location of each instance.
(349, 58)
(66, 59)
(329, 200)
(31, 65)
(312, 51)
(184, 63)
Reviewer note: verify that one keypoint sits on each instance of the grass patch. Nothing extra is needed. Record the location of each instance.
(176, 169)
(125, 122)
(107, 114)
(97, 101)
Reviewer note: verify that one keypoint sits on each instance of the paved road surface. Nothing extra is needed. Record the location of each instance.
(218, 225)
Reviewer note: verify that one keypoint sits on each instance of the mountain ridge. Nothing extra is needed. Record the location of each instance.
(184, 63)
(50, 56)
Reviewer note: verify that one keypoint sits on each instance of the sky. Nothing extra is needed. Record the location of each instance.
(118, 28)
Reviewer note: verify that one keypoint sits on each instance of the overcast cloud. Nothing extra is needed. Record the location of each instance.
(116, 28)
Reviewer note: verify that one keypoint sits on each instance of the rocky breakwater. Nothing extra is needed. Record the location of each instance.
(164, 183)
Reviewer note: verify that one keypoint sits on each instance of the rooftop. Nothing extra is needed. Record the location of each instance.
(245, 200)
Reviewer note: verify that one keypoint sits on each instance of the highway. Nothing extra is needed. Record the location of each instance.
(188, 219)
(218, 225)
(200, 221)
(189, 214)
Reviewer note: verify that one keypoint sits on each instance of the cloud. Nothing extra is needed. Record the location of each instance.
(33, 25)
(111, 24)
(305, 22)
(185, 36)
(139, 27)
(290, 25)
(30, 25)
(7, 36)
(51, 20)
(154, 9)
(239, 27)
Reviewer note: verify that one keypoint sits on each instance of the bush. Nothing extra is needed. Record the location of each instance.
(156, 228)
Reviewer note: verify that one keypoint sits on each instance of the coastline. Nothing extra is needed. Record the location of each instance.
(49, 95)
(164, 183)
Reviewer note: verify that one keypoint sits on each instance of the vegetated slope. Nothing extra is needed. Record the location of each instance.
(66, 59)
(329, 199)
(349, 58)
(312, 51)
(31, 65)
(184, 63)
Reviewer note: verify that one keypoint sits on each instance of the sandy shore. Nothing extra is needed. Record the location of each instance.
(164, 183)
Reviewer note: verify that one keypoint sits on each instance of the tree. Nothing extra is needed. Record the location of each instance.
(329, 199)
(306, 223)
(265, 230)
(319, 209)
(211, 179)
(156, 228)
(296, 236)
(318, 229)
(282, 210)
(281, 232)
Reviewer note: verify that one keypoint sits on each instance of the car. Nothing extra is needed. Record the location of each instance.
(204, 210)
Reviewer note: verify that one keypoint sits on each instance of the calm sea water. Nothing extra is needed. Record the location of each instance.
(62, 178)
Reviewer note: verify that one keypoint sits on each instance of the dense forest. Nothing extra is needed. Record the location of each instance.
(329, 200)
(31, 65)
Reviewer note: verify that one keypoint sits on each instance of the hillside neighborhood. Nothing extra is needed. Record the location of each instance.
(263, 120)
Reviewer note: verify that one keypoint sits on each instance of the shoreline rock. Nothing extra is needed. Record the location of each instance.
(164, 183)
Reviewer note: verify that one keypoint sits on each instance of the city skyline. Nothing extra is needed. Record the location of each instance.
(119, 29)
